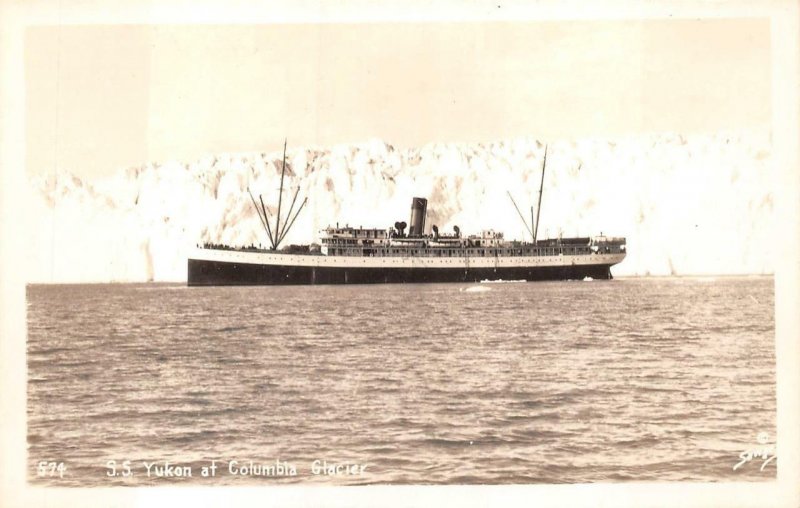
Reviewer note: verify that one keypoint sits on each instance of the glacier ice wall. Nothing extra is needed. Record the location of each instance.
(699, 204)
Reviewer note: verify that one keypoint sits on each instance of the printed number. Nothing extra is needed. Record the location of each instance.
(45, 468)
(111, 465)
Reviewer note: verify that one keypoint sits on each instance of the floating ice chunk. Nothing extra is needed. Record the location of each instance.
(476, 289)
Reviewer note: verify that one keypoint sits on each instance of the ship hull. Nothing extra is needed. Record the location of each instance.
(202, 272)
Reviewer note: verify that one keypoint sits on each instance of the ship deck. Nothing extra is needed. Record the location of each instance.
(546, 248)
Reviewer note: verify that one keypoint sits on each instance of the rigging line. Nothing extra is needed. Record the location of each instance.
(263, 222)
(539, 206)
(280, 194)
(291, 207)
(271, 238)
(292, 221)
(534, 239)
(520, 213)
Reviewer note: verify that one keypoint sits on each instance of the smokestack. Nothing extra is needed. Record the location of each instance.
(417, 223)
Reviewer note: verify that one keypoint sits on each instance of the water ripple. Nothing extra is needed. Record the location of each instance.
(625, 380)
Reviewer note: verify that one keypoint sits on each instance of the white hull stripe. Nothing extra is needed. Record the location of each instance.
(266, 258)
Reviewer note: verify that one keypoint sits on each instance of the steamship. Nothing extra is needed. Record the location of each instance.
(348, 255)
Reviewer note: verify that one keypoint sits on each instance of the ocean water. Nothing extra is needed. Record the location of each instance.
(641, 379)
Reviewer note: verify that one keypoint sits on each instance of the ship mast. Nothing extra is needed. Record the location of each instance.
(277, 234)
(539, 206)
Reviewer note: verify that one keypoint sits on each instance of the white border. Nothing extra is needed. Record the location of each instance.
(16, 15)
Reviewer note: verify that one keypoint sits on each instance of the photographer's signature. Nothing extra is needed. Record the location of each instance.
(766, 452)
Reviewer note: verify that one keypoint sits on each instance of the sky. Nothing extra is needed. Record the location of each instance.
(104, 97)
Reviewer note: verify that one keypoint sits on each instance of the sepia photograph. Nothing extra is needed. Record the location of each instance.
(482, 250)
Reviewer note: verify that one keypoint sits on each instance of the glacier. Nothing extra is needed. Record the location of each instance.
(699, 204)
